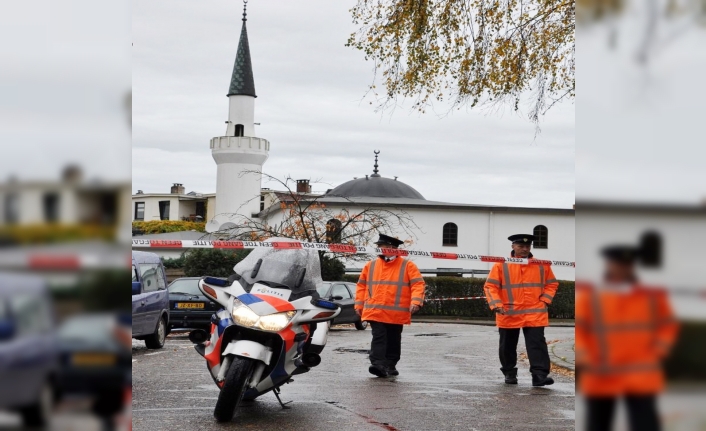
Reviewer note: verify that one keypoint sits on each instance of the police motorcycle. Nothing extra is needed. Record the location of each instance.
(273, 324)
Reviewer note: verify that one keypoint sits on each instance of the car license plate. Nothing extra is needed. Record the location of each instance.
(190, 305)
(93, 359)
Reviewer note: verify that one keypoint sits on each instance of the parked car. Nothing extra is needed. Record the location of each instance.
(188, 306)
(343, 294)
(29, 355)
(150, 299)
(94, 361)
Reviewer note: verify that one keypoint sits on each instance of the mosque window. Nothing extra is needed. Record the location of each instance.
(239, 130)
(651, 249)
(334, 229)
(541, 236)
(450, 235)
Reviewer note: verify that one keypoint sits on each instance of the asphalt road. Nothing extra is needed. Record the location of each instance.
(449, 380)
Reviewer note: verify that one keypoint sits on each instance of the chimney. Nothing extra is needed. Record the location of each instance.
(72, 174)
(178, 189)
(303, 186)
(139, 192)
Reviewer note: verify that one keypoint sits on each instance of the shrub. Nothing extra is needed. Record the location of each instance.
(170, 263)
(165, 226)
(332, 269)
(214, 262)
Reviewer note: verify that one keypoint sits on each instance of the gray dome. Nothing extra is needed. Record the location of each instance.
(377, 187)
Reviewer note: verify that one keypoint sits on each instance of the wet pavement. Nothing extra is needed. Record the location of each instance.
(449, 380)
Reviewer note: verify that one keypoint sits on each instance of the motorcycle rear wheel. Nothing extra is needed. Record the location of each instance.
(236, 383)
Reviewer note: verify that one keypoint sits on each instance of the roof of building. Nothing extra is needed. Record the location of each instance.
(409, 203)
(242, 81)
(375, 186)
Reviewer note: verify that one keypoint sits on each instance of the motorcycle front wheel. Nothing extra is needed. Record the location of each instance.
(236, 383)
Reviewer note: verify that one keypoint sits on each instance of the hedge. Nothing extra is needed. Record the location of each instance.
(165, 226)
(461, 287)
(687, 361)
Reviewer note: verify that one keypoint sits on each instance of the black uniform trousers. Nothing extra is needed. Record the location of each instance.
(536, 349)
(642, 413)
(386, 346)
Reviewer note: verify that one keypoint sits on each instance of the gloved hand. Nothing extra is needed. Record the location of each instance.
(414, 308)
(358, 312)
(499, 310)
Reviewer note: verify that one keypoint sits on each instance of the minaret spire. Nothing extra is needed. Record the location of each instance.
(242, 82)
(375, 171)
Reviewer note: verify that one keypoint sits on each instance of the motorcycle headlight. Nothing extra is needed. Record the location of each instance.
(244, 316)
(276, 322)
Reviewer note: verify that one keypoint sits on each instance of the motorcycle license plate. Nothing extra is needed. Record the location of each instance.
(271, 291)
(183, 305)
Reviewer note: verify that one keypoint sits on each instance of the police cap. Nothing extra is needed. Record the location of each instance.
(521, 238)
(388, 240)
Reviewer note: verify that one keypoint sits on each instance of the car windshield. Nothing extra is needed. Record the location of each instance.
(323, 289)
(88, 328)
(188, 286)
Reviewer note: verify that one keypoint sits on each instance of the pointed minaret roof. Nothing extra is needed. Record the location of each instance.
(242, 82)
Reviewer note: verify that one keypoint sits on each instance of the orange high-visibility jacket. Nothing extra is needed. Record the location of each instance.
(386, 290)
(621, 339)
(524, 291)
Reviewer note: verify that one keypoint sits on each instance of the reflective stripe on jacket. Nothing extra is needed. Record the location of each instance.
(524, 291)
(386, 290)
(621, 339)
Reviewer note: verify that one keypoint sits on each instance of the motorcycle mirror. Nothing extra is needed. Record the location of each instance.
(255, 270)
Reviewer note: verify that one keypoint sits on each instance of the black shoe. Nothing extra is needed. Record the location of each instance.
(378, 370)
(541, 380)
(511, 377)
(392, 371)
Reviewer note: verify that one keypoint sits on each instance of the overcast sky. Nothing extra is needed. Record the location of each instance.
(310, 105)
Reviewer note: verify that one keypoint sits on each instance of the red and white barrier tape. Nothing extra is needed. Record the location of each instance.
(337, 248)
(453, 299)
(64, 262)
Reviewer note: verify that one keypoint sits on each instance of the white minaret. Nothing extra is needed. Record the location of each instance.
(239, 152)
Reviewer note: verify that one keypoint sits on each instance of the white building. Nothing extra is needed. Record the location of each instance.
(70, 201)
(453, 227)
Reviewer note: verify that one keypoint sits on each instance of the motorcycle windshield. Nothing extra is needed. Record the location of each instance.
(282, 267)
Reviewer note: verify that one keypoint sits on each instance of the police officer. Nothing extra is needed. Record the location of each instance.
(624, 330)
(389, 291)
(519, 294)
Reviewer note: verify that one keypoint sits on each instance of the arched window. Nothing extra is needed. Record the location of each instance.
(450, 235)
(334, 229)
(541, 236)
(239, 130)
(651, 249)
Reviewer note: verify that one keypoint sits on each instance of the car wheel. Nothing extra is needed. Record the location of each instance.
(361, 325)
(156, 340)
(38, 414)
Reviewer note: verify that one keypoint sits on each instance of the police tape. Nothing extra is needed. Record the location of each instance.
(337, 248)
(64, 262)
